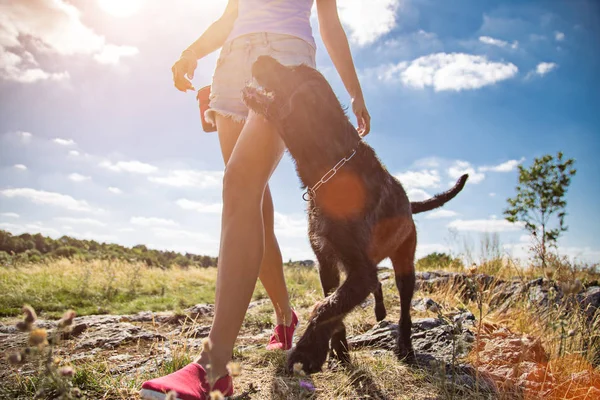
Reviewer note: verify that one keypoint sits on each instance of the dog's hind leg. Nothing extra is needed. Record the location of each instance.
(380, 312)
(404, 270)
(326, 317)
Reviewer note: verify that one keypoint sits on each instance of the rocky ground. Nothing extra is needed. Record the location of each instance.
(452, 346)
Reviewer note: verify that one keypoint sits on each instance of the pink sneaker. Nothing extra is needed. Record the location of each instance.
(283, 335)
(190, 383)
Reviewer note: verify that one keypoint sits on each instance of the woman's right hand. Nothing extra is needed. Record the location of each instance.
(185, 66)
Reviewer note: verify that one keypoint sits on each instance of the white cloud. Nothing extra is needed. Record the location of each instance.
(464, 167)
(152, 221)
(186, 204)
(75, 177)
(544, 67)
(81, 221)
(415, 194)
(182, 234)
(428, 162)
(17, 229)
(290, 225)
(507, 166)
(99, 237)
(64, 142)
(441, 214)
(485, 225)
(492, 194)
(190, 178)
(55, 27)
(492, 41)
(24, 136)
(74, 153)
(419, 179)
(10, 215)
(112, 54)
(48, 198)
(559, 36)
(115, 190)
(424, 249)
(449, 71)
(136, 167)
(20, 167)
(13, 67)
(368, 20)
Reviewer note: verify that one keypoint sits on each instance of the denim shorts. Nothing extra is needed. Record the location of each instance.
(234, 66)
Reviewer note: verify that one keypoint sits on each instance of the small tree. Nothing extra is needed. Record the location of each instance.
(540, 198)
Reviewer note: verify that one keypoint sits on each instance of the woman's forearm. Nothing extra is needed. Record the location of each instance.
(336, 42)
(214, 37)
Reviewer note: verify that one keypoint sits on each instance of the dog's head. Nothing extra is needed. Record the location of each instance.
(301, 104)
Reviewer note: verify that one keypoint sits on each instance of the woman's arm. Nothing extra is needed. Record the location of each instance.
(337, 46)
(216, 34)
(213, 38)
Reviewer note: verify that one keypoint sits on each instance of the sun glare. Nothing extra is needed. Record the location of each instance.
(120, 8)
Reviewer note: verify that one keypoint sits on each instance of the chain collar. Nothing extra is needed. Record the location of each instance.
(311, 192)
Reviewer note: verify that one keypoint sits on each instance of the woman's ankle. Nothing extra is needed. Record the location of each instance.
(215, 366)
(284, 317)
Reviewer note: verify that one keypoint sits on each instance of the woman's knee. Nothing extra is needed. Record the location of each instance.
(241, 187)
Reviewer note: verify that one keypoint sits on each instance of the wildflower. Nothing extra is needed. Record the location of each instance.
(298, 369)
(66, 372)
(38, 337)
(216, 395)
(15, 359)
(30, 315)
(571, 333)
(307, 385)
(206, 344)
(67, 319)
(23, 326)
(234, 368)
(76, 392)
(172, 395)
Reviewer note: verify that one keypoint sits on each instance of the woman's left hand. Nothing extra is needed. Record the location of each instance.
(362, 115)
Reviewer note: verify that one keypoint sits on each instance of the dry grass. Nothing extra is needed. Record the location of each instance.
(120, 288)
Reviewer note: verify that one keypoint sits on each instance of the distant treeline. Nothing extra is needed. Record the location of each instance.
(35, 248)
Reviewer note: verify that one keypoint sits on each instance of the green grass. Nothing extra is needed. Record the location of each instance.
(101, 287)
(123, 288)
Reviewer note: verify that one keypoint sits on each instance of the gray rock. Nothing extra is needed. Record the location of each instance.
(113, 335)
(430, 336)
(200, 310)
(425, 304)
(590, 300)
(385, 276)
(466, 317)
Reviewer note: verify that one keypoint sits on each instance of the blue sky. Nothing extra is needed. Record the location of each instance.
(96, 143)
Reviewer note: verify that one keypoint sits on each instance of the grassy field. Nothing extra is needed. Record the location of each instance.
(124, 288)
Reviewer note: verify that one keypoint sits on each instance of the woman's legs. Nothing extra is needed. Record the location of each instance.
(271, 271)
(253, 160)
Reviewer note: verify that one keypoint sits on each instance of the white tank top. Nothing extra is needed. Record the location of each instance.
(288, 17)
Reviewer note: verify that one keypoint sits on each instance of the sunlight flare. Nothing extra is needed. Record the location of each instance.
(120, 8)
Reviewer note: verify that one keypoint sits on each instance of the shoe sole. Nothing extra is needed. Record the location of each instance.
(147, 394)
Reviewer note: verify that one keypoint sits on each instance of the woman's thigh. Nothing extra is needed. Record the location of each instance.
(255, 156)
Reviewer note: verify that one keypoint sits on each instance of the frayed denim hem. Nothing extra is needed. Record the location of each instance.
(210, 115)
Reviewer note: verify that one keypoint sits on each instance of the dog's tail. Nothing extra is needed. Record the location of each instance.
(439, 199)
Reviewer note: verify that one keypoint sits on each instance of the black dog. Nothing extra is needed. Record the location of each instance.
(359, 214)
